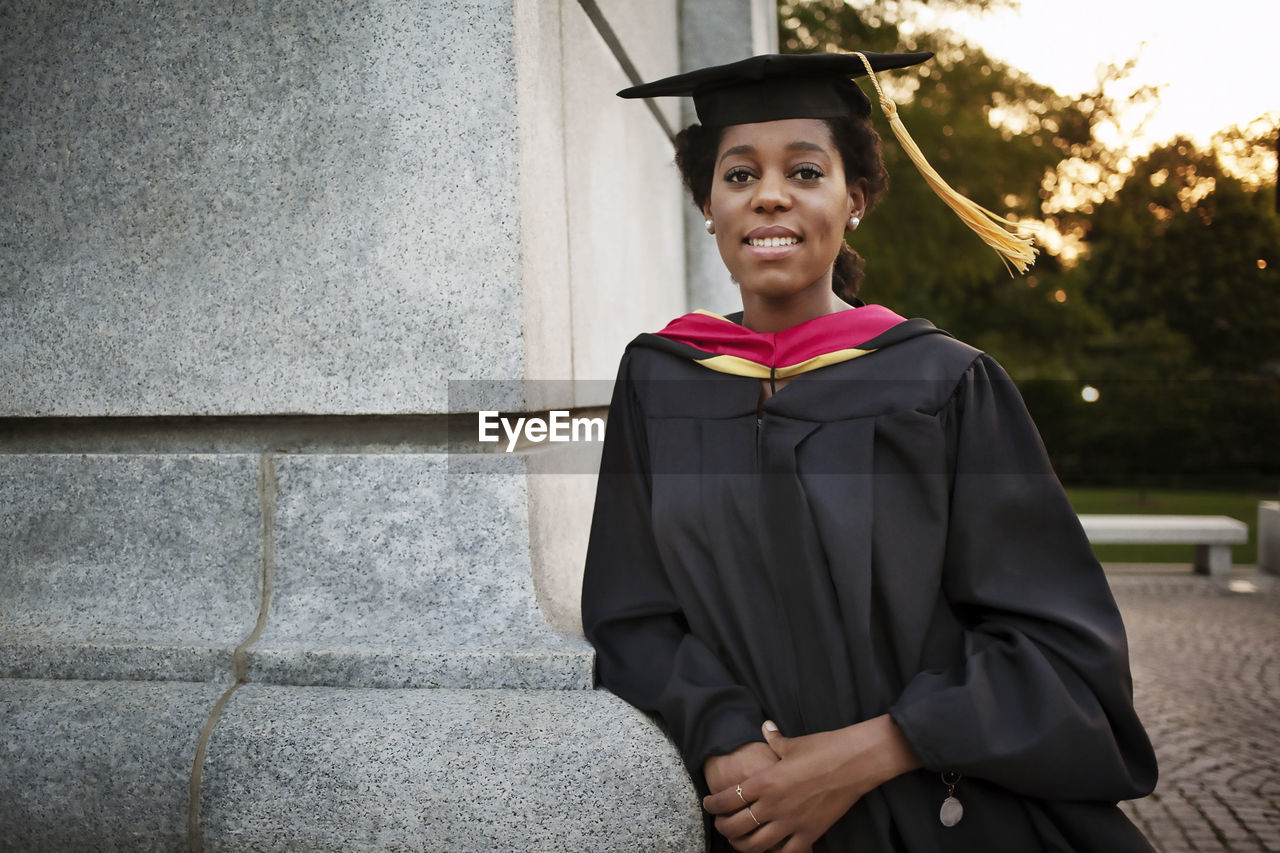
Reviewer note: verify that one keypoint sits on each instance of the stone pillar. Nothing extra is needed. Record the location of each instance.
(252, 593)
(1269, 537)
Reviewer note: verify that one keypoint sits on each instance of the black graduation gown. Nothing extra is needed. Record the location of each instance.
(888, 536)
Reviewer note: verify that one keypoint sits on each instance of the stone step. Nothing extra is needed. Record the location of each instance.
(107, 765)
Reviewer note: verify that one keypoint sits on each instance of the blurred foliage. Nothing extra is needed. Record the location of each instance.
(995, 135)
(1182, 264)
(1186, 246)
(1158, 281)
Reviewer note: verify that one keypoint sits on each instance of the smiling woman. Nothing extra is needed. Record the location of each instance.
(860, 603)
(779, 213)
(811, 163)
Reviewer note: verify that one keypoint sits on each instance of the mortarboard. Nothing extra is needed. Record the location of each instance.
(773, 87)
(776, 86)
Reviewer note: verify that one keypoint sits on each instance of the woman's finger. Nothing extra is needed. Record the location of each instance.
(772, 736)
(766, 838)
(737, 825)
(759, 840)
(795, 844)
(746, 833)
(727, 801)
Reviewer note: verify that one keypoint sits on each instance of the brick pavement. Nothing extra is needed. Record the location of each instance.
(1207, 685)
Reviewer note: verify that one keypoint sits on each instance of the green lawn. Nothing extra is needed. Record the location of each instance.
(1242, 506)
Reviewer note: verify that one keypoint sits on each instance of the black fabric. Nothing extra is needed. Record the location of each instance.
(771, 87)
(888, 537)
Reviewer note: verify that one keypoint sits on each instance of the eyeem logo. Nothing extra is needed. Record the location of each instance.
(557, 426)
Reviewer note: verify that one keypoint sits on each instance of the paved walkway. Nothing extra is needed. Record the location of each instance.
(1207, 685)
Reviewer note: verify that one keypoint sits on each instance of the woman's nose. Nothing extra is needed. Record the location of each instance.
(772, 192)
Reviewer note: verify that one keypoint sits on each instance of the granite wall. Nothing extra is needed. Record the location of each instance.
(324, 208)
(260, 263)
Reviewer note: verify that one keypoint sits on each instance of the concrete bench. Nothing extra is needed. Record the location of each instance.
(1213, 535)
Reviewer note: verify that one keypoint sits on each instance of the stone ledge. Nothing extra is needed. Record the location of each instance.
(115, 662)
(549, 664)
(565, 665)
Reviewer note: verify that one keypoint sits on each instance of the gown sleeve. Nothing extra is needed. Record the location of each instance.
(645, 652)
(1041, 702)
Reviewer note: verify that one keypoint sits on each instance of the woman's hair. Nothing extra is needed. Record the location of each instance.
(856, 141)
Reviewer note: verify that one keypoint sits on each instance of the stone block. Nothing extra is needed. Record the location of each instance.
(407, 570)
(215, 209)
(324, 769)
(97, 765)
(127, 566)
(1269, 537)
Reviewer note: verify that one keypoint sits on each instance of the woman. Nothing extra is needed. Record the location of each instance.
(828, 549)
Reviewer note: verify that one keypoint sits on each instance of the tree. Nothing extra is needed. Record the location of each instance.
(996, 136)
(1159, 283)
(1189, 246)
(1181, 264)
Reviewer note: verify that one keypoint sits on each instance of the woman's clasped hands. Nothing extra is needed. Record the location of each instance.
(784, 795)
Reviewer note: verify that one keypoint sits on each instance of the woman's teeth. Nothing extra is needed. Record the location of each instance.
(773, 241)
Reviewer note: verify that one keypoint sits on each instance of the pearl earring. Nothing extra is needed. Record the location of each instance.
(710, 226)
(854, 222)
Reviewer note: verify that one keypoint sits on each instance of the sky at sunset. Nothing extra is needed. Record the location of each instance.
(1216, 59)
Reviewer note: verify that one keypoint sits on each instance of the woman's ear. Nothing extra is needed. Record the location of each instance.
(858, 197)
(710, 224)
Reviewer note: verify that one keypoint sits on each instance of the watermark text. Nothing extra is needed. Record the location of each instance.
(558, 426)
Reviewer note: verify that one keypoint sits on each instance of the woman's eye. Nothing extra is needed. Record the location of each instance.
(738, 175)
(808, 173)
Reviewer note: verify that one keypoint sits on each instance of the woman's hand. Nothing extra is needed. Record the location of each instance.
(724, 772)
(817, 780)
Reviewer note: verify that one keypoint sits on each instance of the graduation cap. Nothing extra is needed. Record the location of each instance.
(773, 87)
(776, 86)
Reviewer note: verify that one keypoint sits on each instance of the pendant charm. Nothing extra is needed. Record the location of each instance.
(951, 812)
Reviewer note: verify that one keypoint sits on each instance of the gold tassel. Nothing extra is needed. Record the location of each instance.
(1015, 249)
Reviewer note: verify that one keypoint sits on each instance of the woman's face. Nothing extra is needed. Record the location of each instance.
(780, 203)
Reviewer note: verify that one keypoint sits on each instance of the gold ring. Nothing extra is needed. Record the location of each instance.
(744, 799)
(753, 816)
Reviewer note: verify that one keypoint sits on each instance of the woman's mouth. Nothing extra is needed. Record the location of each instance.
(770, 242)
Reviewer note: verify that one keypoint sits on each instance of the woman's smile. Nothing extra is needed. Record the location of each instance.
(772, 243)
